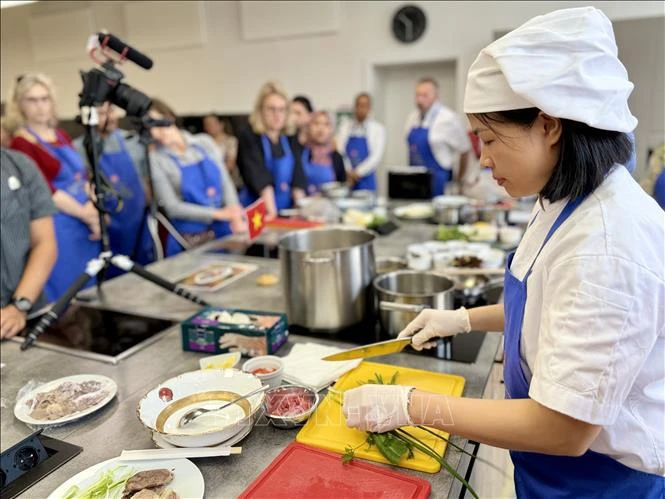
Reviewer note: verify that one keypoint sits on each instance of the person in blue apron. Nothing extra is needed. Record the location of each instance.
(269, 159)
(192, 185)
(322, 164)
(584, 294)
(362, 142)
(436, 136)
(77, 220)
(126, 198)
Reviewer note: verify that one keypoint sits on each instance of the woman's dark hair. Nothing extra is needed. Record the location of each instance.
(305, 102)
(165, 110)
(586, 154)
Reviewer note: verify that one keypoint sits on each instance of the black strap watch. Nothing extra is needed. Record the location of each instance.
(22, 303)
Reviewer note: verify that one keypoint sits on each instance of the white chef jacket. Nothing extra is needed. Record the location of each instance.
(594, 322)
(374, 132)
(447, 135)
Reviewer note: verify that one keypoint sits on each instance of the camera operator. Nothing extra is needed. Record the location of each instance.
(121, 163)
(31, 118)
(192, 184)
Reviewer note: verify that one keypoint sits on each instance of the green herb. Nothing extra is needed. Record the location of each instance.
(444, 233)
(376, 221)
(106, 486)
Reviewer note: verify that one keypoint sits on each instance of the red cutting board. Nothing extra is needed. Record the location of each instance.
(304, 472)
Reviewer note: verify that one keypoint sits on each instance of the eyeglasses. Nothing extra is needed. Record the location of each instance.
(36, 100)
(275, 110)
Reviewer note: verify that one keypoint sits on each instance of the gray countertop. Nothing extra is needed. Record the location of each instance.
(106, 433)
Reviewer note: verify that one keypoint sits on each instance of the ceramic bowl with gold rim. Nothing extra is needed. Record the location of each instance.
(161, 409)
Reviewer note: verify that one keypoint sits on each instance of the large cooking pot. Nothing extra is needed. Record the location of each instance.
(402, 295)
(327, 275)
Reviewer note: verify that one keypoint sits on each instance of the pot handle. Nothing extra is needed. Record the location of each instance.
(321, 259)
(401, 307)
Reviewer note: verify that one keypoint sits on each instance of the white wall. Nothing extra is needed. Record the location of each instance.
(224, 70)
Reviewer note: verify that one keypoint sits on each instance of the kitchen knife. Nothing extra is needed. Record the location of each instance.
(371, 350)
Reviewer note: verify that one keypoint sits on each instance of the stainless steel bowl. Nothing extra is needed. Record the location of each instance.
(290, 421)
(335, 190)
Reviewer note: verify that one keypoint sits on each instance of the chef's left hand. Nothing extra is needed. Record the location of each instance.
(12, 321)
(377, 408)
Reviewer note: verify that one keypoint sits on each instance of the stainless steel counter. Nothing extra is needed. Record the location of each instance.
(105, 434)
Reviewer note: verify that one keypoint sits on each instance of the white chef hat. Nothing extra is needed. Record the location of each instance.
(564, 63)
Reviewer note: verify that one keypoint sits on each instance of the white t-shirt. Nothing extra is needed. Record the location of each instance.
(447, 136)
(594, 323)
(374, 132)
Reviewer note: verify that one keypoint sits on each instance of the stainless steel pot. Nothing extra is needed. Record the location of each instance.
(403, 294)
(327, 275)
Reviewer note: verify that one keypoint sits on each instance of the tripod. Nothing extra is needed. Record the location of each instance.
(97, 266)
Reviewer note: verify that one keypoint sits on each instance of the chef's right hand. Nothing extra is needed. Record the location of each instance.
(431, 324)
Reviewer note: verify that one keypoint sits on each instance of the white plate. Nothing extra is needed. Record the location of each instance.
(187, 479)
(22, 409)
(163, 444)
(415, 211)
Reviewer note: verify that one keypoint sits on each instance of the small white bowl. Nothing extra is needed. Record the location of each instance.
(272, 379)
(418, 257)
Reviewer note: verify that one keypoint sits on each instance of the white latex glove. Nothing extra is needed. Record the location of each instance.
(377, 408)
(432, 324)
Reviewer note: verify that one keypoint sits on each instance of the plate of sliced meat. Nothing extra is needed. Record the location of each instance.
(151, 479)
(65, 399)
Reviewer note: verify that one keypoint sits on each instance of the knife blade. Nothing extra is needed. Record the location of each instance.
(371, 350)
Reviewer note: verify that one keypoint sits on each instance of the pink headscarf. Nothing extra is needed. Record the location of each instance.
(321, 153)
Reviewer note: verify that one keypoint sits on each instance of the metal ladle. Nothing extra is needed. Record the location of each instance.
(195, 413)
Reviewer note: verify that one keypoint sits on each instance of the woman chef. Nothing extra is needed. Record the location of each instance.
(583, 312)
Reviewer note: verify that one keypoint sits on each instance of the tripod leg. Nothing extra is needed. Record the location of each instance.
(126, 264)
(92, 269)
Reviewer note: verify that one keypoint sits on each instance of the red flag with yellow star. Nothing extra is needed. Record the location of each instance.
(256, 218)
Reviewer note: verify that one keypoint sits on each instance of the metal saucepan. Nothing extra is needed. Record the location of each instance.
(403, 294)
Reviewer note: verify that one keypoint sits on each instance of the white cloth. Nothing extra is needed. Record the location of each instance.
(375, 133)
(303, 365)
(447, 136)
(564, 63)
(594, 323)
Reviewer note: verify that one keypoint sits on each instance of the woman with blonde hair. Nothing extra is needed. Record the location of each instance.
(31, 117)
(268, 159)
(321, 162)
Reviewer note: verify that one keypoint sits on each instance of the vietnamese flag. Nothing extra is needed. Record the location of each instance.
(256, 218)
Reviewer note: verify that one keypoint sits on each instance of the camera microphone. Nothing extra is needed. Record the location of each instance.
(127, 52)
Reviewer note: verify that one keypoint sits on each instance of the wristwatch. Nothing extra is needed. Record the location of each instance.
(22, 304)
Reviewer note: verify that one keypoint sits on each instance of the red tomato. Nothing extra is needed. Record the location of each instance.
(166, 394)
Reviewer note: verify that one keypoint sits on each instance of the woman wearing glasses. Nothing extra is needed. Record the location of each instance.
(268, 159)
(32, 119)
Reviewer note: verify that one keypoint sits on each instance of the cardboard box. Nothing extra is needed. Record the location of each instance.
(216, 330)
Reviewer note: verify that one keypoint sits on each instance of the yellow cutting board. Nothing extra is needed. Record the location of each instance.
(327, 429)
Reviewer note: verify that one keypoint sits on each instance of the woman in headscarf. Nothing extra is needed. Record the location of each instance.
(321, 162)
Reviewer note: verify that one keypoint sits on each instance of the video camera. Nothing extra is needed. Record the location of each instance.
(104, 83)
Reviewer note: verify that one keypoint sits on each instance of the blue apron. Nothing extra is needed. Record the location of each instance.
(282, 174)
(420, 154)
(316, 174)
(592, 475)
(128, 232)
(75, 248)
(357, 151)
(200, 184)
